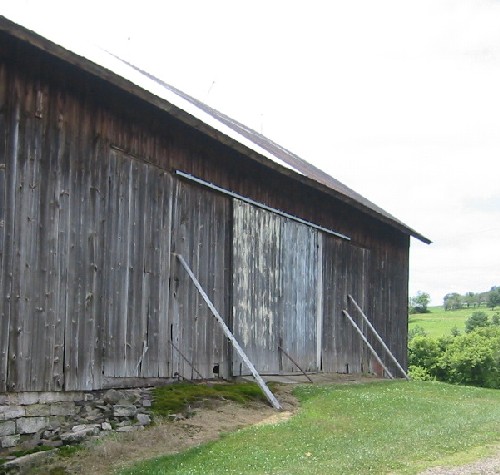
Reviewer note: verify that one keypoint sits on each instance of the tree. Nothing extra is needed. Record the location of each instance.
(419, 303)
(452, 301)
(482, 297)
(494, 297)
(470, 299)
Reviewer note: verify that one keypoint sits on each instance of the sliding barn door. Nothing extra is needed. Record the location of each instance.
(299, 307)
(275, 296)
(256, 287)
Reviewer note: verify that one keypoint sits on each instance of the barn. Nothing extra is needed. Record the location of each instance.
(146, 237)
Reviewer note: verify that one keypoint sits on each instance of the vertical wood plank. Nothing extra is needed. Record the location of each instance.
(319, 303)
(6, 137)
(9, 325)
(62, 149)
(155, 216)
(76, 274)
(136, 325)
(4, 322)
(110, 258)
(164, 244)
(121, 271)
(41, 348)
(52, 283)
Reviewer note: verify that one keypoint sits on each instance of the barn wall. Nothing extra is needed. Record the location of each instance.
(73, 152)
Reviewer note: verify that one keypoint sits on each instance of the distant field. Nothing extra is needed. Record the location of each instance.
(440, 322)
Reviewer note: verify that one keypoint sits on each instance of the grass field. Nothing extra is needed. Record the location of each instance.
(386, 427)
(440, 322)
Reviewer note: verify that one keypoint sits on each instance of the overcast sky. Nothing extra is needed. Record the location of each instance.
(400, 100)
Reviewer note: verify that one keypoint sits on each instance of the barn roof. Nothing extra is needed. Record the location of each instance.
(193, 112)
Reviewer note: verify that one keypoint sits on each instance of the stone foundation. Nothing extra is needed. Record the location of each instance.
(58, 418)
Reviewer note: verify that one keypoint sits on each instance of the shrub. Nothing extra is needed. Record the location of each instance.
(495, 319)
(476, 320)
(417, 373)
(473, 359)
(424, 352)
(417, 330)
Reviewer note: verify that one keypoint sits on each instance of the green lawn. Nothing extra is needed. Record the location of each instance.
(440, 322)
(385, 427)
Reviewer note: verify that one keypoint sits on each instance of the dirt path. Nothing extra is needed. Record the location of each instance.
(485, 466)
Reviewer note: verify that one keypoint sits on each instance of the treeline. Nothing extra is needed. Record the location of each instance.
(472, 358)
(455, 301)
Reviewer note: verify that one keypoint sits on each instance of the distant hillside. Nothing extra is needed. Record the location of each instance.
(440, 322)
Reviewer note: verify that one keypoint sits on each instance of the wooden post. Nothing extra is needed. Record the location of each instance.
(379, 338)
(370, 347)
(270, 396)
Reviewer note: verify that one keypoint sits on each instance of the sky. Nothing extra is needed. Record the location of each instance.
(399, 100)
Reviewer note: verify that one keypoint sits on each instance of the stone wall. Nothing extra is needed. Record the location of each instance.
(57, 418)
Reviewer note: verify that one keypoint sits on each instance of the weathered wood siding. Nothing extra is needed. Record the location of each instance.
(200, 233)
(33, 277)
(85, 272)
(274, 290)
